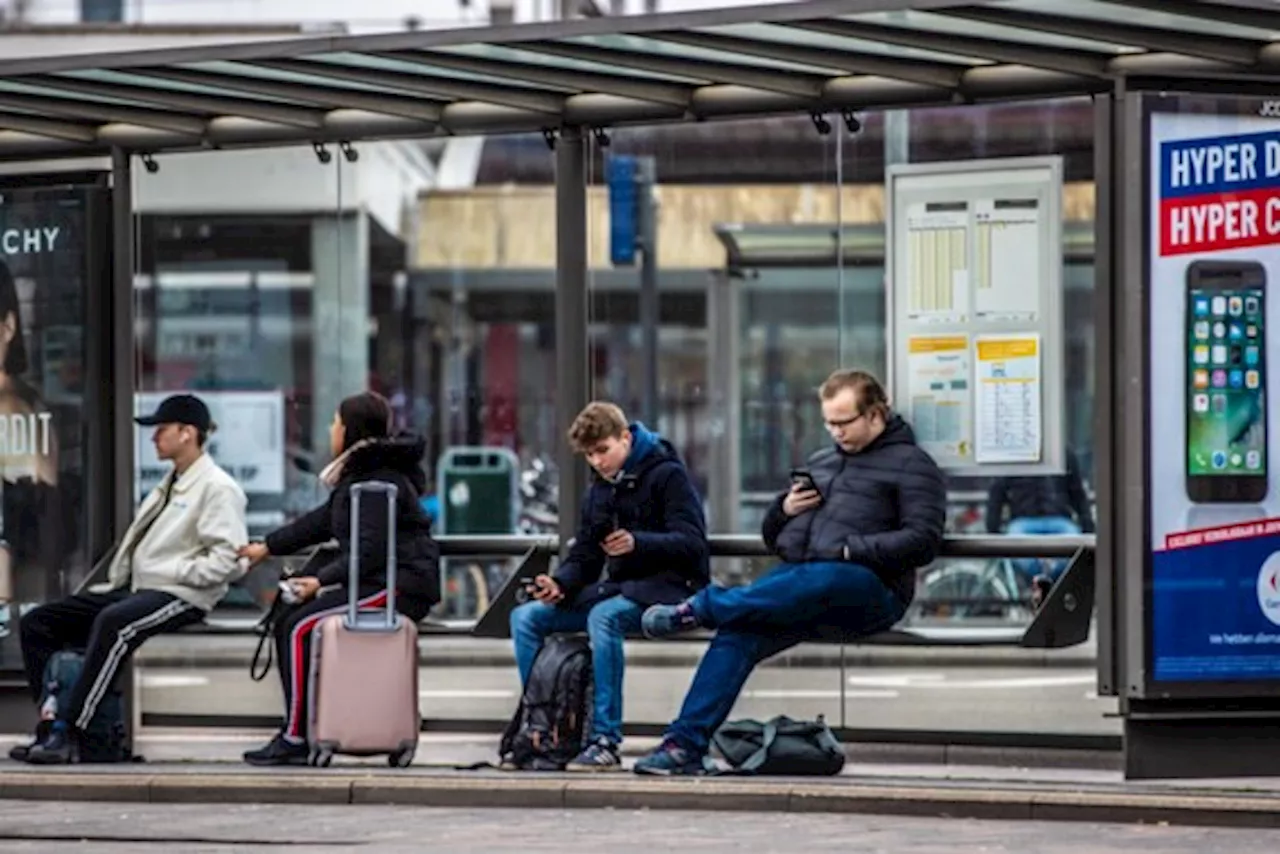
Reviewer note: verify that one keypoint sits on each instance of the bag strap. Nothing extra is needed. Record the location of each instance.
(265, 629)
(756, 760)
(254, 673)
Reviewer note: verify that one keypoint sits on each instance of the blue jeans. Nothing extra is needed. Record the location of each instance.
(794, 603)
(607, 624)
(1036, 526)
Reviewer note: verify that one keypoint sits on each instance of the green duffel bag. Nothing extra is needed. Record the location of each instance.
(780, 746)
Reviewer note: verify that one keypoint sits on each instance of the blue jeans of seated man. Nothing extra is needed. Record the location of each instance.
(792, 604)
(1036, 526)
(607, 624)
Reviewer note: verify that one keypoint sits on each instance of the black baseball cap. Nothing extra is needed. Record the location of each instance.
(179, 409)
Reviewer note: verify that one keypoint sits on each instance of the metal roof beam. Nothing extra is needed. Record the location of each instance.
(1262, 16)
(1217, 48)
(211, 105)
(330, 97)
(422, 39)
(67, 131)
(1079, 62)
(571, 80)
(423, 84)
(752, 77)
(96, 110)
(929, 73)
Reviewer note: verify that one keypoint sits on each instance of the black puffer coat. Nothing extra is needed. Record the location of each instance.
(398, 461)
(883, 508)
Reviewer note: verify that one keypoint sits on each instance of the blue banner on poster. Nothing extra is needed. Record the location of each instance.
(1216, 604)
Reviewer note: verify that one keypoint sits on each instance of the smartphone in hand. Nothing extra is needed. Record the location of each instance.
(803, 479)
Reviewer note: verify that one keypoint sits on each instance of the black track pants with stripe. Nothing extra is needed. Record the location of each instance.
(108, 627)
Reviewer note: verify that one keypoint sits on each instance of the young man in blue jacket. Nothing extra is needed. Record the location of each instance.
(642, 541)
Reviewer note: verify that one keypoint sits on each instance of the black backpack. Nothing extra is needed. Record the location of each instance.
(553, 718)
(105, 739)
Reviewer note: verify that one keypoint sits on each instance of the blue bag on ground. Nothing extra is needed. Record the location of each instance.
(104, 740)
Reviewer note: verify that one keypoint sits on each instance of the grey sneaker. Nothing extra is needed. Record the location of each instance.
(599, 755)
(659, 621)
(671, 760)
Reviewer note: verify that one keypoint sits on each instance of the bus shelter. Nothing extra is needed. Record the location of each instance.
(1187, 165)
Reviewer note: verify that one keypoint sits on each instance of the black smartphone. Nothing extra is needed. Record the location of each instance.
(801, 477)
(525, 590)
(1226, 359)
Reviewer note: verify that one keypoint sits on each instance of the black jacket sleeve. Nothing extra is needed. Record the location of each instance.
(922, 502)
(683, 542)
(585, 560)
(996, 499)
(1076, 495)
(369, 539)
(774, 521)
(311, 529)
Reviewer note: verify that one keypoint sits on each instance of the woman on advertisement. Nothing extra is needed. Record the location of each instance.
(29, 513)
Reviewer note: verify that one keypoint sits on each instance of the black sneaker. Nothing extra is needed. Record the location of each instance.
(278, 751)
(60, 747)
(19, 752)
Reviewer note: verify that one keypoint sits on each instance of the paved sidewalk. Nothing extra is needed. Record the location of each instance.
(185, 771)
(105, 828)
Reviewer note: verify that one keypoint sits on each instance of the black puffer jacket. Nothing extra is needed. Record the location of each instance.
(1039, 496)
(654, 500)
(396, 461)
(883, 508)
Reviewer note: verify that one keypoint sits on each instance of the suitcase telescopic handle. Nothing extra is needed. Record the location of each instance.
(353, 593)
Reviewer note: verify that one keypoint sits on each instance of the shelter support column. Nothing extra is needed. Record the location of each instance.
(573, 381)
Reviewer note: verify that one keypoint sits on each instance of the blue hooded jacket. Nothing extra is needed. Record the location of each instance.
(655, 500)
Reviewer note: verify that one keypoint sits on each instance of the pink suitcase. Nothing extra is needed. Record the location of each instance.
(364, 667)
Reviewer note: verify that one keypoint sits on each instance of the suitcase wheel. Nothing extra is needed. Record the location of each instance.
(320, 757)
(401, 758)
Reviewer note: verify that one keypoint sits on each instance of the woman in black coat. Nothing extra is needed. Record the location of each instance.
(364, 450)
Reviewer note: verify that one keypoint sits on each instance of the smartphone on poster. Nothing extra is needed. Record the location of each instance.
(1226, 381)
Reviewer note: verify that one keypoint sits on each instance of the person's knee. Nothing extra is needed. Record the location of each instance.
(284, 626)
(606, 621)
(33, 626)
(529, 619)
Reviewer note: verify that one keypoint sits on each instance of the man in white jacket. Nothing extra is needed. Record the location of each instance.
(173, 565)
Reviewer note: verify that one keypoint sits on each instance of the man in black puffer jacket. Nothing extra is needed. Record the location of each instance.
(1041, 505)
(850, 552)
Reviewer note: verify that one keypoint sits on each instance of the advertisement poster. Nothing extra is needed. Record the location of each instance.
(1214, 267)
(43, 281)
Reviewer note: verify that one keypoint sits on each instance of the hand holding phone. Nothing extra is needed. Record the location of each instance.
(804, 495)
(803, 479)
(545, 589)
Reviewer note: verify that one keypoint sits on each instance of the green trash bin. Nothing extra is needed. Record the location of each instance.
(478, 491)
